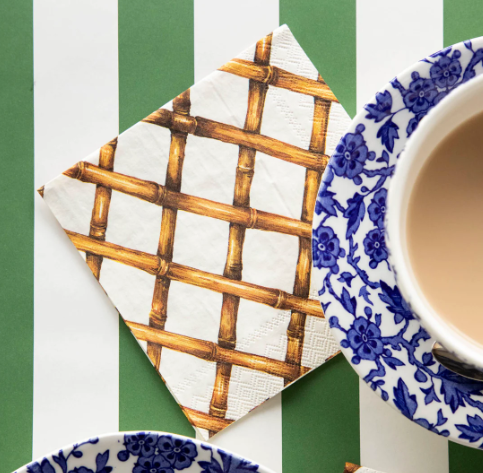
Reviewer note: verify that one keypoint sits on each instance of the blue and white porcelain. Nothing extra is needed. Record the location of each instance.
(374, 325)
(463, 104)
(142, 452)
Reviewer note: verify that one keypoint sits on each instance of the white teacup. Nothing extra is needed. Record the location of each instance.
(462, 104)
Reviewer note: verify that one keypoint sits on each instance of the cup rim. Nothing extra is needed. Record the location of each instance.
(467, 349)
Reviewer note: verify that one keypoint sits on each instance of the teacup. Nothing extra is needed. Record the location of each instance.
(462, 104)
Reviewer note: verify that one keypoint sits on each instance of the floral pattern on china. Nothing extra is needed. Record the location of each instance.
(375, 327)
(142, 452)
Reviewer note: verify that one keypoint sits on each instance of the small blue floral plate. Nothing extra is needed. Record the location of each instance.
(142, 452)
(378, 334)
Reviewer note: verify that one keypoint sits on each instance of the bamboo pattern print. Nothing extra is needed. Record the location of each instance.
(157, 194)
(206, 128)
(233, 268)
(159, 309)
(157, 266)
(241, 217)
(351, 468)
(296, 328)
(210, 351)
(100, 211)
(205, 421)
(272, 75)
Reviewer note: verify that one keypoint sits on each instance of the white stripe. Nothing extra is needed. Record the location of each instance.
(224, 28)
(218, 38)
(76, 366)
(393, 444)
(392, 35)
(257, 436)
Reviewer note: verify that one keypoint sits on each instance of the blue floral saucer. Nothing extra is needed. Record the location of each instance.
(142, 452)
(378, 334)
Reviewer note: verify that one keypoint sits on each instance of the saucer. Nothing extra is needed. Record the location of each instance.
(141, 452)
(374, 326)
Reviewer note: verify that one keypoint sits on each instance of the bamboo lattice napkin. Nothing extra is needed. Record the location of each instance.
(197, 222)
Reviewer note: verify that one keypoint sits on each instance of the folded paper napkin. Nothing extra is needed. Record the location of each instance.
(351, 468)
(197, 222)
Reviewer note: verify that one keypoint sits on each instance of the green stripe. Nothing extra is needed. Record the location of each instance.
(156, 63)
(320, 420)
(320, 413)
(16, 234)
(463, 19)
(326, 30)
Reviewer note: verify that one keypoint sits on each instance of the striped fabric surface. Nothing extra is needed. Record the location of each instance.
(76, 73)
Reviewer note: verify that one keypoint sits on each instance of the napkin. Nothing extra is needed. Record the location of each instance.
(197, 222)
(352, 468)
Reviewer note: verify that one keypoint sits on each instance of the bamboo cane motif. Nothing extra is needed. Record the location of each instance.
(102, 201)
(159, 307)
(160, 195)
(351, 468)
(231, 134)
(212, 352)
(240, 215)
(155, 265)
(296, 328)
(205, 421)
(276, 77)
(257, 92)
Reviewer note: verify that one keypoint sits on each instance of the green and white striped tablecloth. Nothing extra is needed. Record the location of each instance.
(74, 73)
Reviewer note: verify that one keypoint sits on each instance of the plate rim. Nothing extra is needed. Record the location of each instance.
(111, 436)
(360, 118)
